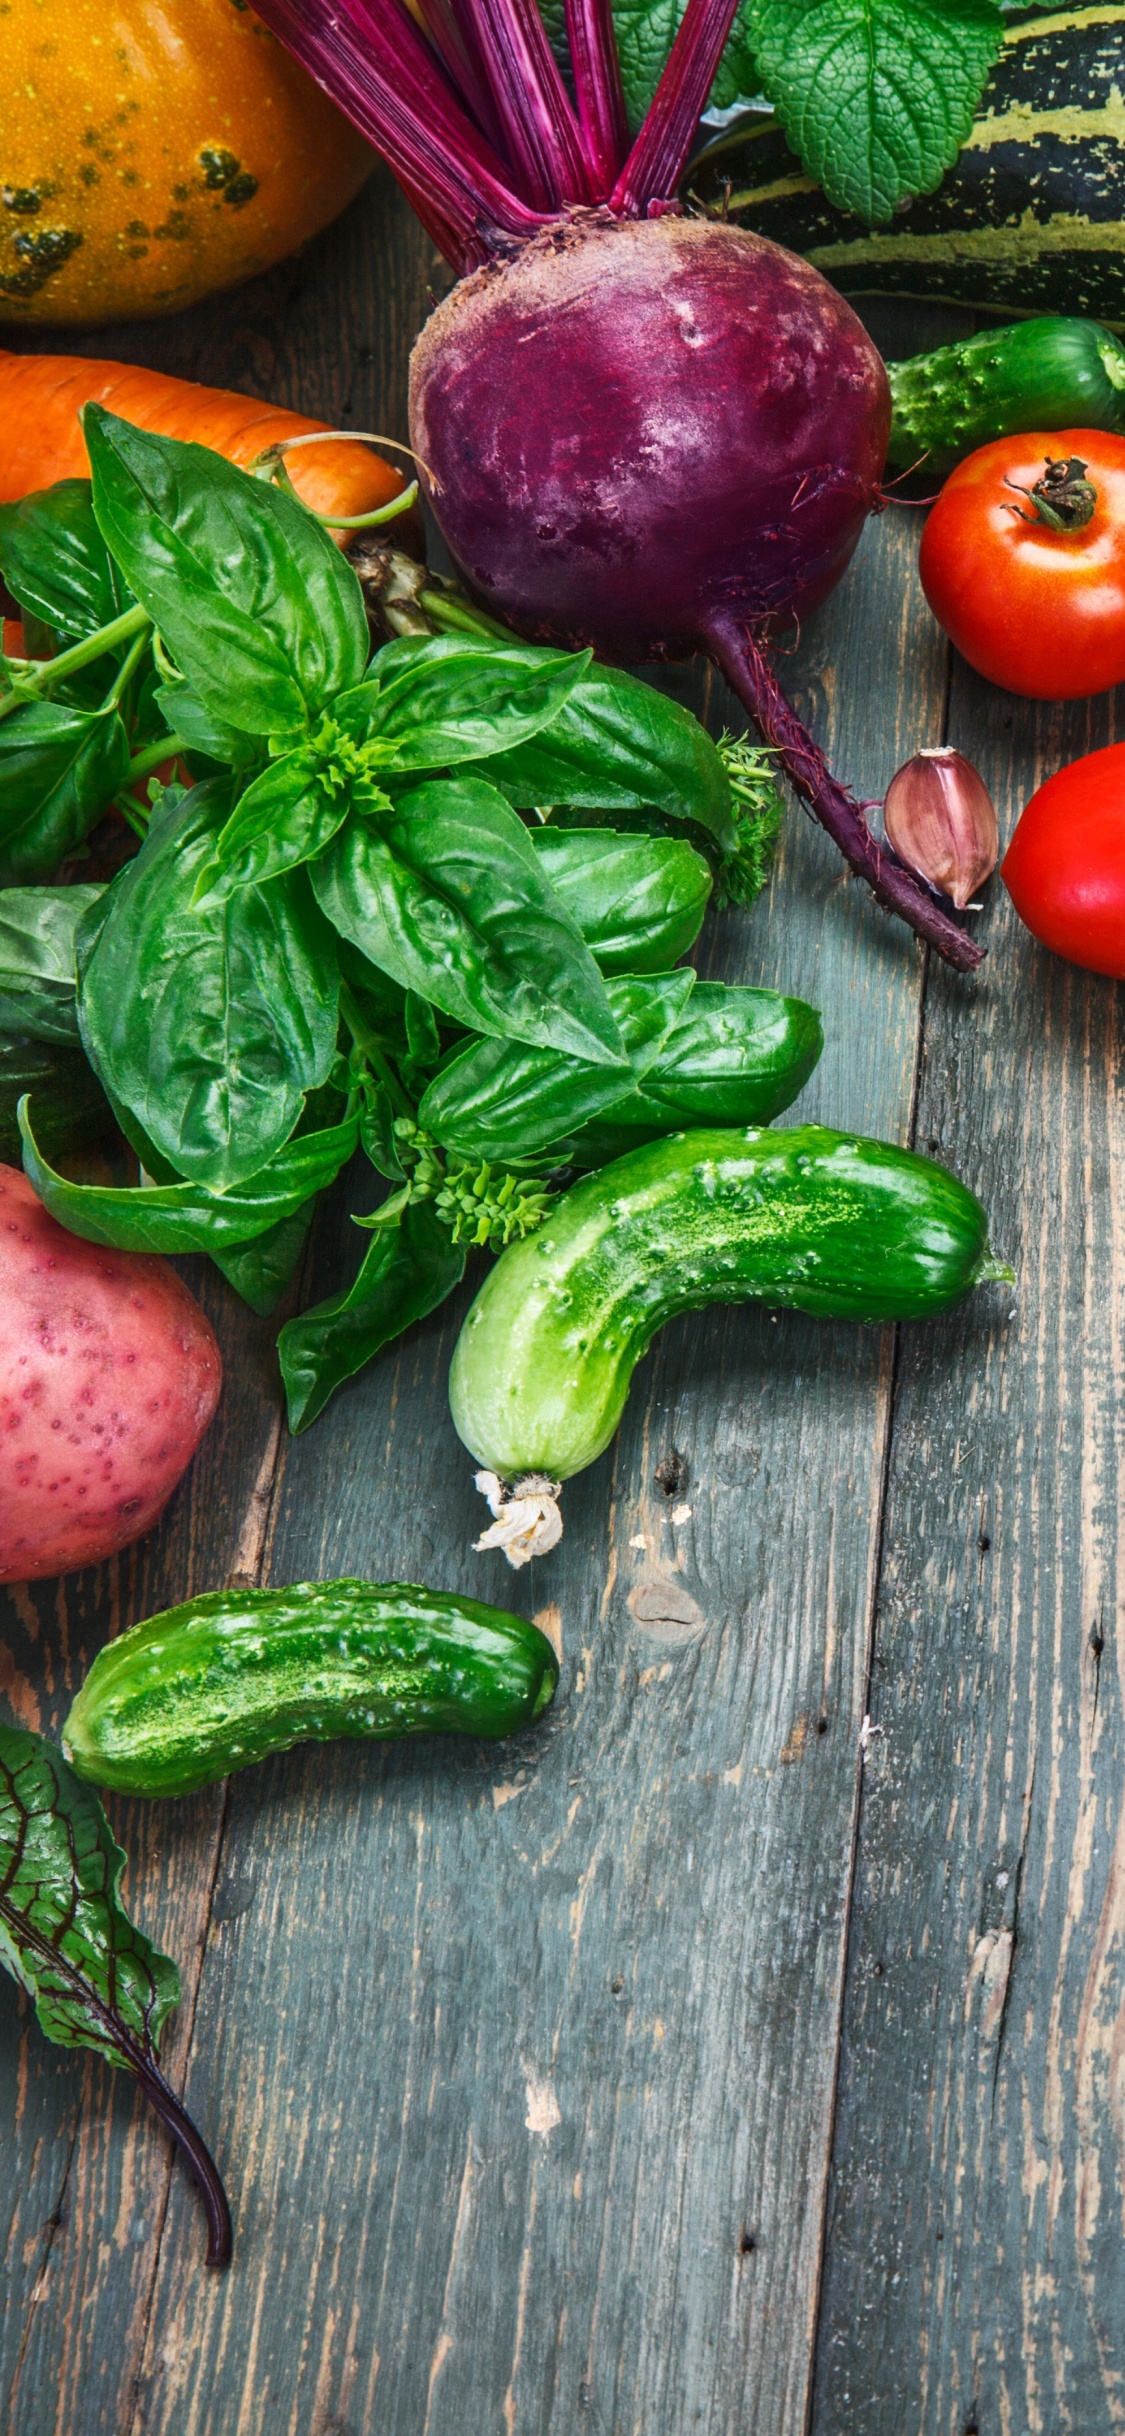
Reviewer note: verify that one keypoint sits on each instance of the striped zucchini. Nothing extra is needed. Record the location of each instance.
(1030, 219)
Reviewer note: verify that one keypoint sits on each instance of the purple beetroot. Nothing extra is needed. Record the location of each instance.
(646, 432)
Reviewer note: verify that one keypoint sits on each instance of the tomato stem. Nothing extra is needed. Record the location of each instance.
(1062, 498)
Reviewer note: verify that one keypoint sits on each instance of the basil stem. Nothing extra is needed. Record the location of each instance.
(94, 647)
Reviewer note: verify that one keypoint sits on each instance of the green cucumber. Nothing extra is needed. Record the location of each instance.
(1029, 218)
(638, 901)
(807, 1219)
(228, 1678)
(1045, 375)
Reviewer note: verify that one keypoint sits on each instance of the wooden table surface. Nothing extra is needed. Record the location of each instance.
(706, 2061)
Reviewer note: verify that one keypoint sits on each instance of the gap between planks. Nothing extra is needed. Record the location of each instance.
(890, 1415)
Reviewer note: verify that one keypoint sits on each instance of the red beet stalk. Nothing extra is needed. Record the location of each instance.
(642, 432)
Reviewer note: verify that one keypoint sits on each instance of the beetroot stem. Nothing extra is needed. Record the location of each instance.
(747, 670)
(659, 156)
(542, 137)
(220, 2235)
(598, 88)
(408, 111)
(454, 42)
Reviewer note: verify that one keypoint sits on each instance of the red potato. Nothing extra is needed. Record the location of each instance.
(109, 1375)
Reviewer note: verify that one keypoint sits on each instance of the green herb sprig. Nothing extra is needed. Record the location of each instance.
(337, 891)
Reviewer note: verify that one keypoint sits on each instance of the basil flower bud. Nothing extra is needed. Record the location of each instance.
(940, 819)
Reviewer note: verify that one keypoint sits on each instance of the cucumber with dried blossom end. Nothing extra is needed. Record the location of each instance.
(804, 1219)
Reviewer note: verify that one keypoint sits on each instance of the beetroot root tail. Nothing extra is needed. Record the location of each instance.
(747, 670)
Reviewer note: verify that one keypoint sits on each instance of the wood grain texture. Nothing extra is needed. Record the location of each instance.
(527, 2056)
(521, 2062)
(87, 2166)
(974, 2254)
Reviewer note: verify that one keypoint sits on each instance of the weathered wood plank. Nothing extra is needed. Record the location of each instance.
(973, 2276)
(85, 2194)
(87, 2164)
(526, 2058)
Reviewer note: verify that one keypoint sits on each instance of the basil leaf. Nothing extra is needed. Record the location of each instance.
(38, 960)
(261, 1270)
(615, 744)
(500, 1100)
(377, 1131)
(451, 698)
(407, 1271)
(96, 1981)
(55, 562)
(286, 816)
(260, 610)
(450, 899)
(735, 1057)
(59, 769)
(186, 1217)
(381, 1002)
(72, 1111)
(639, 902)
(209, 1022)
(423, 1040)
(180, 707)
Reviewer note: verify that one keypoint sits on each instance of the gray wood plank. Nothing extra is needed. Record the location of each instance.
(526, 2057)
(973, 2277)
(84, 2197)
(87, 2163)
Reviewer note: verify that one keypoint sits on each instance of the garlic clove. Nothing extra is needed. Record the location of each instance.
(941, 821)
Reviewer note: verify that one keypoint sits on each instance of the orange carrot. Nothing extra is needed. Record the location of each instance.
(40, 396)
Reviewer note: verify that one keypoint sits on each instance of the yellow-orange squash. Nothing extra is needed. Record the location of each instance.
(152, 151)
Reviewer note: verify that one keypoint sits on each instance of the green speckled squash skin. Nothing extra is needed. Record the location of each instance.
(209, 1687)
(806, 1219)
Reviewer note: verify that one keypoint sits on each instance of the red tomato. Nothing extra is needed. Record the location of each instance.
(1038, 611)
(13, 637)
(1065, 868)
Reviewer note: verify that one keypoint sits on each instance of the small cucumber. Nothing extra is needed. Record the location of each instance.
(1051, 374)
(817, 1221)
(226, 1679)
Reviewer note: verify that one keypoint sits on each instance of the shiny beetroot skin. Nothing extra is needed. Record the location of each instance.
(636, 426)
(109, 1375)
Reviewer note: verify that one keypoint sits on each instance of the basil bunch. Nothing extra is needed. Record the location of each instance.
(353, 883)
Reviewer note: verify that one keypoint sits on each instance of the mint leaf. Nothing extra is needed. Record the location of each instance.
(96, 1981)
(877, 96)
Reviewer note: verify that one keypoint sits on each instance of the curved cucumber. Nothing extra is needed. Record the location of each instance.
(1050, 374)
(818, 1221)
(209, 1687)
